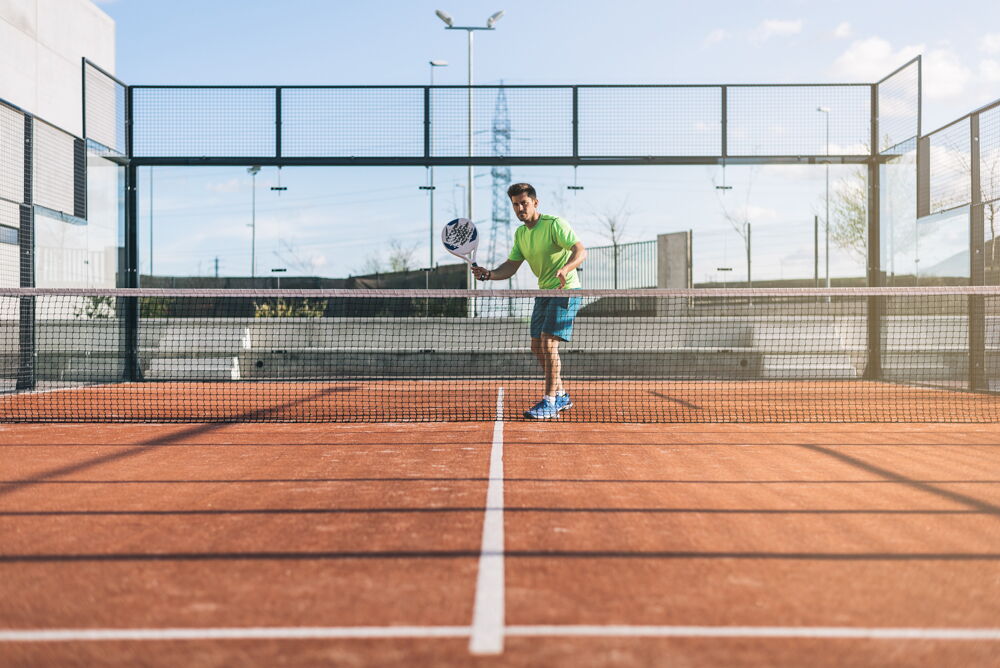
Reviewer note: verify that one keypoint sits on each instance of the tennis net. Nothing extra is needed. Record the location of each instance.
(770, 355)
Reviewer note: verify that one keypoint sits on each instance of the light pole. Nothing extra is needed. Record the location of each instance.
(430, 186)
(449, 25)
(826, 113)
(252, 171)
(278, 271)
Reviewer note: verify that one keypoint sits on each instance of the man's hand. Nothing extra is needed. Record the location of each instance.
(561, 275)
(481, 273)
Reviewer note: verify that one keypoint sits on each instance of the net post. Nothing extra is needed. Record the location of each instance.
(26, 371)
(129, 273)
(873, 366)
(977, 268)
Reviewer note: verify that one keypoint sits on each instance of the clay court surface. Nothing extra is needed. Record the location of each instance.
(378, 544)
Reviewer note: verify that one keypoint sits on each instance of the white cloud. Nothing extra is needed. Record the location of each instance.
(776, 28)
(989, 70)
(716, 36)
(944, 74)
(230, 186)
(990, 44)
(755, 214)
(869, 60)
(843, 31)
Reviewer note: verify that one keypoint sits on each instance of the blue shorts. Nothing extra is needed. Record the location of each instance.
(554, 316)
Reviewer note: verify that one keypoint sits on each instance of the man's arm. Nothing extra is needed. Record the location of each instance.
(504, 271)
(576, 258)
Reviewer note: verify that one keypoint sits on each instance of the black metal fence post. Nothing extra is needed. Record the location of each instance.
(977, 268)
(26, 372)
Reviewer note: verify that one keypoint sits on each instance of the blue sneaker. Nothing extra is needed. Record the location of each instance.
(563, 402)
(542, 411)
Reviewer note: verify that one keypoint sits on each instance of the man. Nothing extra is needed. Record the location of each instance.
(553, 252)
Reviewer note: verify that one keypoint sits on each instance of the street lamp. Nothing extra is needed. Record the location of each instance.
(278, 271)
(430, 186)
(252, 171)
(826, 113)
(450, 25)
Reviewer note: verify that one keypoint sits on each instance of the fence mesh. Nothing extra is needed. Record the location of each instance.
(11, 154)
(204, 122)
(655, 120)
(631, 265)
(361, 122)
(899, 107)
(611, 121)
(989, 154)
(540, 121)
(54, 165)
(949, 172)
(786, 120)
(10, 267)
(104, 110)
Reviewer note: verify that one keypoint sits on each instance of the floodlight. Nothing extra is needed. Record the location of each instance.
(490, 22)
(444, 17)
(438, 63)
(253, 170)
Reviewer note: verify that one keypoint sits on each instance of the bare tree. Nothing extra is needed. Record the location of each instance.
(739, 218)
(401, 257)
(849, 214)
(292, 258)
(612, 222)
(373, 264)
(991, 188)
(557, 201)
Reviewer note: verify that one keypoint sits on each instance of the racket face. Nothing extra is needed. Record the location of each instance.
(460, 237)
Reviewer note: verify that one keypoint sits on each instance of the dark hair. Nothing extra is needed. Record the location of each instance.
(520, 189)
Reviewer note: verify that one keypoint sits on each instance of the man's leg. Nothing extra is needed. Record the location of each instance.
(553, 365)
(546, 350)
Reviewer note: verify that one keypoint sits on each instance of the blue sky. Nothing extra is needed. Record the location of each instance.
(324, 213)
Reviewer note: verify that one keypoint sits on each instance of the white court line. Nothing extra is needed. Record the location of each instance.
(756, 632)
(434, 632)
(255, 633)
(488, 612)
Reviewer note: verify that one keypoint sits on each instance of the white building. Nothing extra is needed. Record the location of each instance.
(42, 47)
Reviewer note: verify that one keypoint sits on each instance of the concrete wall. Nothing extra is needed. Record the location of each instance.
(41, 44)
(924, 350)
(673, 260)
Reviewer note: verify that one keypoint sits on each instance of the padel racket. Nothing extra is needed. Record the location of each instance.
(461, 239)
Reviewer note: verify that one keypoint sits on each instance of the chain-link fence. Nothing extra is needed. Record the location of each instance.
(620, 266)
(104, 105)
(414, 124)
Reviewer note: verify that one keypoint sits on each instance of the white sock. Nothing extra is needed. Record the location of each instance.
(548, 400)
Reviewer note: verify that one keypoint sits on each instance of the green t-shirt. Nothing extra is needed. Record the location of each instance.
(546, 247)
